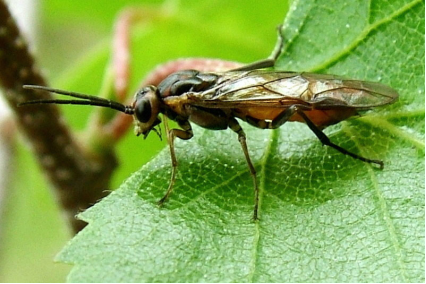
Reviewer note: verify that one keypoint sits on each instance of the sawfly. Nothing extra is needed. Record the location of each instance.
(263, 98)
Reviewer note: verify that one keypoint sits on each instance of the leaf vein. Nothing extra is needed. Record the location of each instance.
(397, 132)
(384, 210)
(369, 29)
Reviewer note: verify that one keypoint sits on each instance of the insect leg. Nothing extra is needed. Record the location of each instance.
(184, 134)
(235, 126)
(270, 61)
(326, 141)
(276, 122)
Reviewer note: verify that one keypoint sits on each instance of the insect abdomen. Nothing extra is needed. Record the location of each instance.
(321, 118)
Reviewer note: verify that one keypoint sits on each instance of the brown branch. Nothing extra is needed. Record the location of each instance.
(79, 178)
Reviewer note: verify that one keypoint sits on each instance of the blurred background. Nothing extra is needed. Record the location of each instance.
(71, 41)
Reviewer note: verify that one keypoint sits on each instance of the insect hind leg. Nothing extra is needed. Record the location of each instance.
(326, 141)
(276, 122)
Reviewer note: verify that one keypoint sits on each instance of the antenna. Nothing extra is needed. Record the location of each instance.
(85, 100)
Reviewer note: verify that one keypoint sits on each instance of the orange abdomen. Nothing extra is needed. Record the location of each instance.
(320, 118)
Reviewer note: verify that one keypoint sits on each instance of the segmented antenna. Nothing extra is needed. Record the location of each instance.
(85, 100)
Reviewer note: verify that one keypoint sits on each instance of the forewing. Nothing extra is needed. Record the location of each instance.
(282, 89)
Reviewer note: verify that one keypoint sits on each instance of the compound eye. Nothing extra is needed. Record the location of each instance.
(143, 110)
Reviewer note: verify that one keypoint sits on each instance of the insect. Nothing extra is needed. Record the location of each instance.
(263, 98)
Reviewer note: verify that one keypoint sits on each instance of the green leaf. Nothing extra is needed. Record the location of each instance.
(324, 216)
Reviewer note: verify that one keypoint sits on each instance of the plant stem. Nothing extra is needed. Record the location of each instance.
(78, 177)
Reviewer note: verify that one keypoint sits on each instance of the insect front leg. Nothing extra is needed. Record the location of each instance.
(185, 133)
(235, 126)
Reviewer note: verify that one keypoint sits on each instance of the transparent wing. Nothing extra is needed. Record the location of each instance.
(281, 89)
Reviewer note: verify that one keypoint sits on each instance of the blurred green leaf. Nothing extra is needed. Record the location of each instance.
(324, 217)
